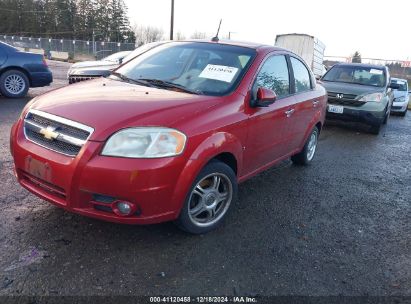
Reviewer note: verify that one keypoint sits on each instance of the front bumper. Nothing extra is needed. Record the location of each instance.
(362, 114)
(74, 183)
(399, 107)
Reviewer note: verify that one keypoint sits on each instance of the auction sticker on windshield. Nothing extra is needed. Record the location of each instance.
(219, 72)
(376, 72)
(335, 109)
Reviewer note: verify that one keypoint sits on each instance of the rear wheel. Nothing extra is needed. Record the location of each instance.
(209, 199)
(14, 84)
(307, 153)
(386, 118)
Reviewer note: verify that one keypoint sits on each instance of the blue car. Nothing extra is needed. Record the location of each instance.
(21, 70)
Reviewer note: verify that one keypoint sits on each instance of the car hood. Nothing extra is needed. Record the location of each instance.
(90, 69)
(109, 105)
(349, 88)
(400, 93)
(87, 64)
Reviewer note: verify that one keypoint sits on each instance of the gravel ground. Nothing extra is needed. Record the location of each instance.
(338, 227)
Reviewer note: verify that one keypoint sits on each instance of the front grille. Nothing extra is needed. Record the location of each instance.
(396, 107)
(56, 133)
(74, 79)
(344, 99)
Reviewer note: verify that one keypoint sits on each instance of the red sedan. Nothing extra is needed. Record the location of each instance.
(170, 134)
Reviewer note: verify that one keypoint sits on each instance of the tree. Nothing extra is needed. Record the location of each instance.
(66, 19)
(356, 58)
(146, 34)
(198, 35)
(180, 36)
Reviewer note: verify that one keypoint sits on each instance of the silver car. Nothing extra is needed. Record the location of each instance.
(401, 96)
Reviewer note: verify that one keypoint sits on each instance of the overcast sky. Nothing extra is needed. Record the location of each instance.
(378, 29)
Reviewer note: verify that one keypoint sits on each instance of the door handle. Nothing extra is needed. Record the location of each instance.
(290, 112)
(316, 103)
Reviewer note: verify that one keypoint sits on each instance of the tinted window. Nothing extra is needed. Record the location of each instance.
(356, 74)
(207, 68)
(274, 76)
(301, 76)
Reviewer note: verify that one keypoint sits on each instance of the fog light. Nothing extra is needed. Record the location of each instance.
(124, 208)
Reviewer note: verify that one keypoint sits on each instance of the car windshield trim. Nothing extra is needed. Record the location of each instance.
(169, 85)
(130, 80)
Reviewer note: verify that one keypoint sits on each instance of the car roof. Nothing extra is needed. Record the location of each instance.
(364, 65)
(247, 44)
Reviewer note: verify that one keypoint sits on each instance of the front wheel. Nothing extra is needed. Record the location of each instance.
(14, 84)
(209, 199)
(307, 153)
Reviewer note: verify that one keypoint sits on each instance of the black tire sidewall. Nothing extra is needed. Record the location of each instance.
(13, 72)
(302, 157)
(184, 222)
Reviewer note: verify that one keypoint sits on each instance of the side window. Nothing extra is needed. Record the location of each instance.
(274, 76)
(301, 76)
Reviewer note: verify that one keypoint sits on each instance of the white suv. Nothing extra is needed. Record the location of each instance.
(401, 96)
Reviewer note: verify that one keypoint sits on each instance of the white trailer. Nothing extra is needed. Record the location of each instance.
(307, 47)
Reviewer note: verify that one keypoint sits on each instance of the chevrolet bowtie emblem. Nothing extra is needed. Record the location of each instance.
(49, 132)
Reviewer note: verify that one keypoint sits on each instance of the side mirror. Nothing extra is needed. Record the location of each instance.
(394, 86)
(120, 61)
(264, 98)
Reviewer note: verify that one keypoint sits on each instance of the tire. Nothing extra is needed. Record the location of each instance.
(375, 129)
(209, 199)
(404, 113)
(307, 153)
(384, 122)
(14, 84)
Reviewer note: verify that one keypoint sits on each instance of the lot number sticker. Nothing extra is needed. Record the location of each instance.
(376, 72)
(219, 72)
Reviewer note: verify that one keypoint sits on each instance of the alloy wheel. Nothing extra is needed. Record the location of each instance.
(14, 84)
(210, 199)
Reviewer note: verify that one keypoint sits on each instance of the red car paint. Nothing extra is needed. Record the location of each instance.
(214, 125)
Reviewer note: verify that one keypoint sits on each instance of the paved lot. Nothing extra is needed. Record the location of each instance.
(340, 226)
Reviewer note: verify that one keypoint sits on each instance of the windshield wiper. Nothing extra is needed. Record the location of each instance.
(168, 84)
(127, 79)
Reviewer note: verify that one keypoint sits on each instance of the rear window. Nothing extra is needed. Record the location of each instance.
(357, 75)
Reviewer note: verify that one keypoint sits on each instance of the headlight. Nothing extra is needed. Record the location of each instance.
(372, 97)
(149, 142)
(400, 99)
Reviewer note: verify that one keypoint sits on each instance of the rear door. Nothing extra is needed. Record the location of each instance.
(268, 134)
(307, 103)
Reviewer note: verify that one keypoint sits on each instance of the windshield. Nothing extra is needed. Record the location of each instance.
(141, 49)
(357, 75)
(402, 83)
(116, 57)
(206, 68)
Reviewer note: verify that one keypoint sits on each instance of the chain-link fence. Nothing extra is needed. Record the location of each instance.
(67, 49)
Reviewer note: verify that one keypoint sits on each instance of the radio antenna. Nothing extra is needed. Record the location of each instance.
(215, 38)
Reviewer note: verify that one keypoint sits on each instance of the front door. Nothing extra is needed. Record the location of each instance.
(268, 134)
